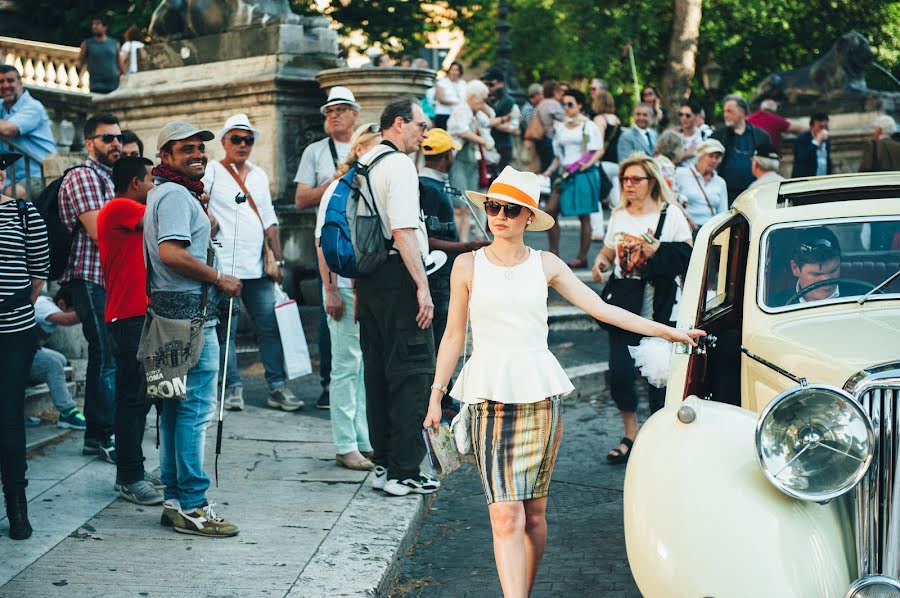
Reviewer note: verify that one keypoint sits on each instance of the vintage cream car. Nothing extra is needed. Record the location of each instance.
(772, 470)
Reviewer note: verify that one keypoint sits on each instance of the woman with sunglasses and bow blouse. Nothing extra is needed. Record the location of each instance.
(512, 383)
(647, 246)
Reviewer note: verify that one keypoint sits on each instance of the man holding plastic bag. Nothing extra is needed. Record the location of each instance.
(249, 232)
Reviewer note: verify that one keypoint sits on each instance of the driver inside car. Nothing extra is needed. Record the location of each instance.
(815, 257)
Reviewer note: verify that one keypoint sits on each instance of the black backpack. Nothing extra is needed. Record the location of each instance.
(47, 204)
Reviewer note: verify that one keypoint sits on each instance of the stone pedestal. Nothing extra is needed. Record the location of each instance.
(374, 87)
(267, 73)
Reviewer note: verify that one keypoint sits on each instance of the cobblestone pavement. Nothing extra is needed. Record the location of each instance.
(453, 557)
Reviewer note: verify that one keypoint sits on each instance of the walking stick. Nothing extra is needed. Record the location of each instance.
(238, 200)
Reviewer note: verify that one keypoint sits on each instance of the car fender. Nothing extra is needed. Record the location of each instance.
(702, 520)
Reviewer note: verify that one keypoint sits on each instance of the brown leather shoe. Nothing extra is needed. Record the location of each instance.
(358, 465)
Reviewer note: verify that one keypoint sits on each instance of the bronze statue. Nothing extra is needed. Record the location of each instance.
(839, 71)
(180, 19)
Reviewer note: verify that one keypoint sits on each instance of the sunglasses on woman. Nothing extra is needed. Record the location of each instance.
(493, 208)
(239, 139)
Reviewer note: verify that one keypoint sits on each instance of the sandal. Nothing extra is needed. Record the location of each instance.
(619, 457)
(577, 263)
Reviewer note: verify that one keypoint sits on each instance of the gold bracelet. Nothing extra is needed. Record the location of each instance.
(439, 387)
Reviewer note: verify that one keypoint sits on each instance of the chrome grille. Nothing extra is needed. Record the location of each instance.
(877, 525)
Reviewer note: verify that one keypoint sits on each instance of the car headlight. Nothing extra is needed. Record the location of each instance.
(814, 442)
(875, 586)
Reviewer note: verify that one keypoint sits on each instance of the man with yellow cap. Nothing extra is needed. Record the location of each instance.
(439, 148)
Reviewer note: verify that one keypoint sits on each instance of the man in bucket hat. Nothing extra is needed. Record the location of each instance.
(318, 164)
(243, 231)
(176, 242)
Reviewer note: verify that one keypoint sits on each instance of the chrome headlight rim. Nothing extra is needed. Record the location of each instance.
(871, 580)
(776, 403)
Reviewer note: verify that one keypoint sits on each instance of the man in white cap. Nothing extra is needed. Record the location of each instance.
(317, 167)
(176, 241)
(244, 230)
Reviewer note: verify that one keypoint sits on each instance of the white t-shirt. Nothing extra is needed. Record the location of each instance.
(569, 142)
(222, 188)
(317, 164)
(43, 309)
(451, 90)
(343, 283)
(131, 48)
(623, 232)
(395, 187)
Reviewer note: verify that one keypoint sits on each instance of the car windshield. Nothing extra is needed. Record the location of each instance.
(829, 262)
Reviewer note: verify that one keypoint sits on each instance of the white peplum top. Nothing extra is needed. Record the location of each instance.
(510, 361)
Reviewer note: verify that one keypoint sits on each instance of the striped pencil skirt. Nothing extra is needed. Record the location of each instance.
(515, 447)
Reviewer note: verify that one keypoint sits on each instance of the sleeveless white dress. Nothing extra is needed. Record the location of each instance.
(510, 361)
(512, 382)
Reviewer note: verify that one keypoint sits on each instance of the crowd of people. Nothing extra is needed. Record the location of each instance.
(161, 247)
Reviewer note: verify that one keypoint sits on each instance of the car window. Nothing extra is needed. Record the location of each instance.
(716, 295)
(828, 262)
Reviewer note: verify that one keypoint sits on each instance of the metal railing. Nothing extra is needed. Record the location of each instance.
(28, 161)
(45, 65)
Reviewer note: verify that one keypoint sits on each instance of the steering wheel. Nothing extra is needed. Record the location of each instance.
(865, 286)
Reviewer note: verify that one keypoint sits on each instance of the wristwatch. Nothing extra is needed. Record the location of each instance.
(279, 263)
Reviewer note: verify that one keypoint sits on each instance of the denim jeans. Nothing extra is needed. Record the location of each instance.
(17, 351)
(100, 385)
(49, 367)
(349, 426)
(259, 299)
(132, 405)
(183, 429)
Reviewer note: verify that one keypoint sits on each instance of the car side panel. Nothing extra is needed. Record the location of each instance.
(701, 519)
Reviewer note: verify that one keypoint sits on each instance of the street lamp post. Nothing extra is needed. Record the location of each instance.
(503, 52)
(712, 79)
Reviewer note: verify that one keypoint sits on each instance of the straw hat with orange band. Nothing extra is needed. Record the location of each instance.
(522, 188)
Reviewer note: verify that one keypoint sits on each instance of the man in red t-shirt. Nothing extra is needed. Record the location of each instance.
(769, 121)
(120, 226)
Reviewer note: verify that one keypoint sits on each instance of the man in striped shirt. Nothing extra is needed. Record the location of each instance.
(83, 192)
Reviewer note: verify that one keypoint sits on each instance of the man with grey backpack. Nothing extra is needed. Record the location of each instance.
(395, 308)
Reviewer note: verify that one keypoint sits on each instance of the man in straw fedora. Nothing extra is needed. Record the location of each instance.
(512, 384)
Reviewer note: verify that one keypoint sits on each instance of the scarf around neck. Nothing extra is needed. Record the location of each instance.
(167, 172)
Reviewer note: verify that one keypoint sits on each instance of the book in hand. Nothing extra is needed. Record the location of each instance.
(441, 449)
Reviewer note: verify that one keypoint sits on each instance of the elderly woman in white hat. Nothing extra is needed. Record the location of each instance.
(512, 382)
(702, 192)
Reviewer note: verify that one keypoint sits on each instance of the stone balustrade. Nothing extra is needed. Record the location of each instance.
(45, 65)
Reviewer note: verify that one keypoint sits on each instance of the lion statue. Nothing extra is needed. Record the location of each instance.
(840, 70)
(179, 19)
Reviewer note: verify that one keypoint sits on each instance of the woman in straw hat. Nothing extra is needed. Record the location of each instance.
(512, 383)
(349, 428)
(647, 246)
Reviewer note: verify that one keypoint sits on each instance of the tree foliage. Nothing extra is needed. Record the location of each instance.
(69, 22)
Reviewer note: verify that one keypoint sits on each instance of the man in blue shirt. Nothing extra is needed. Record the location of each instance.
(812, 149)
(24, 123)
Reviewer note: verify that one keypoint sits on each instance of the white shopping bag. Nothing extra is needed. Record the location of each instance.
(293, 341)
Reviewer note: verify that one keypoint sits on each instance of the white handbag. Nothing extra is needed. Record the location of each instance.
(461, 425)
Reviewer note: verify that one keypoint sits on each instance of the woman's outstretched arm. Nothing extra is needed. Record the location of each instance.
(561, 278)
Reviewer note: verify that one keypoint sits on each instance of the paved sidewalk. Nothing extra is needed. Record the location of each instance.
(308, 527)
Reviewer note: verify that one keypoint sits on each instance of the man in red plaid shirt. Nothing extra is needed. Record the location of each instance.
(83, 192)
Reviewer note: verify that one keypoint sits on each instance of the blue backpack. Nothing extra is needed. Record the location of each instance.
(352, 240)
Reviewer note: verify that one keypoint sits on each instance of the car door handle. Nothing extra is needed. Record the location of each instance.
(704, 344)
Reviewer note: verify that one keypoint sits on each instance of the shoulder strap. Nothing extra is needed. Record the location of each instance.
(237, 178)
(702, 190)
(662, 221)
(333, 150)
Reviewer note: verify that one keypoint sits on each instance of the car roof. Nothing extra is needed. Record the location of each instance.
(803, 198)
